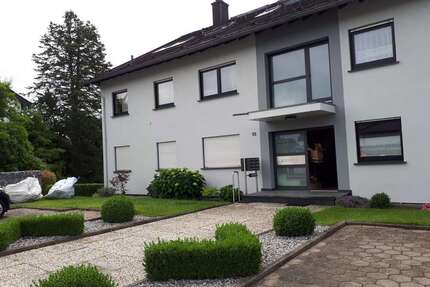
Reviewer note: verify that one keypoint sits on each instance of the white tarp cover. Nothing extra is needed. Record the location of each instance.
(27, 190)
(63, 188)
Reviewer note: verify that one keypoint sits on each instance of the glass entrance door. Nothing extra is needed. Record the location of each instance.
(291, 160)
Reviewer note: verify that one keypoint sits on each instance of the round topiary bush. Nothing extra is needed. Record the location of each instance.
(73, 276)
(380, 200)
(294, 221)
(118, 209)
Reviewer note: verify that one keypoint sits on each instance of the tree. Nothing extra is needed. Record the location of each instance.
(72, 54)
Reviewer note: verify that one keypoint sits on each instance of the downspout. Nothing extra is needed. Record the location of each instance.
(104, 131)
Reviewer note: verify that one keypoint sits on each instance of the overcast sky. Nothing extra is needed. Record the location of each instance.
(127, 27)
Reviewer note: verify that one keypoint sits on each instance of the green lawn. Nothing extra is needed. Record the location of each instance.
(144, 205)
(410, 216)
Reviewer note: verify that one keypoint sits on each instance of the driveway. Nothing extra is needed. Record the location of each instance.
(359, 256)
(120, 253)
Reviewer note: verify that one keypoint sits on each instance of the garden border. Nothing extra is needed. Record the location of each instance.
(99, 232)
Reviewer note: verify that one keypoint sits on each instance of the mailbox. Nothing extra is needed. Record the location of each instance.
(250, 164)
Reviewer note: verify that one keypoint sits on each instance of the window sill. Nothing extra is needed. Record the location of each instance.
(120, 115)
(228, 94)
(221, 168)
(373, 66)
(163, 107)
(390, 162)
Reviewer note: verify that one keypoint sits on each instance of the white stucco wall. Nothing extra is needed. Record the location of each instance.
(189, 121)
(401, 90)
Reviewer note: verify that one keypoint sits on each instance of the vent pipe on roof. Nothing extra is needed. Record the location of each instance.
(219, 12)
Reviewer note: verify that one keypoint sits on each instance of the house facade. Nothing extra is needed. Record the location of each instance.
(329, 95)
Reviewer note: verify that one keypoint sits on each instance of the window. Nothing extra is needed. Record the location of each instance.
(221, 152)
(164, 95)
(301, 75)
(372, 45)
(122, 158)
(120, 103)
(166, 155)
(379, 140)
(219, 81)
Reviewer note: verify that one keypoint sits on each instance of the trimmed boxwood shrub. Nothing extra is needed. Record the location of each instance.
(87, 189)
(68, 224)
(235, 252)
(118, 209)
(380, 200)
(77, 276)
(10, 232)
(226, 193)
(294, 221)
(179, 183)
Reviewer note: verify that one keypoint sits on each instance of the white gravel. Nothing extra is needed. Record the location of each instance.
(274, 247)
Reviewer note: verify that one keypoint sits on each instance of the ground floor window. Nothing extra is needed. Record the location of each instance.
(122, 158)
(379, 140)
(166, 152)
(221, 152)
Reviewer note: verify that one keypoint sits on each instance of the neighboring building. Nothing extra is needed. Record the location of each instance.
(330, 95)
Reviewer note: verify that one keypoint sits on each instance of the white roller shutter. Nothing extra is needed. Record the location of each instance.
(167, 155)
(122, 158)
(222, 152)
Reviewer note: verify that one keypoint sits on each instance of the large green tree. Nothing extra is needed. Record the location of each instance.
(71, 54)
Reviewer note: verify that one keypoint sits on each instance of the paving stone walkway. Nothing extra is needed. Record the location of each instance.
(120, 253)
(359, 256)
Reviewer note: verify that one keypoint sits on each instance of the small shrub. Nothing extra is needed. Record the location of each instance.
(235, 252)
(293, 221)
(87, 189)
(226, 193)
(120, 180)
(179, 183)
(67, 224)
(106, 192)
(10, 232)
(210, 192)
(118, 209)
(380, 200)
(425, 207)
(77, 276)
(48, 179)
(350, 201)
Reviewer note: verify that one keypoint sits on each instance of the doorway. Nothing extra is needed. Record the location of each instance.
(306, 159)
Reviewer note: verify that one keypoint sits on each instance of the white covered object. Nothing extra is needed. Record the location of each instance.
(63, 188)
(27, 190)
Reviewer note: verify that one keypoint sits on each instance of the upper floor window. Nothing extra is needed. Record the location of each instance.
(120, 103)
(218, 81)
(300, 76)
(372, 45)
(379, 140)
(164, 95)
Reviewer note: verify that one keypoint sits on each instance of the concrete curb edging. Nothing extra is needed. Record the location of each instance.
(99, 232)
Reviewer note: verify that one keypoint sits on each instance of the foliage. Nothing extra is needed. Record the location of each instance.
(106, 191)
(10, 232)
(235, 252)
(293, 221)
(380, 200)
(87, 189)
(71, 54)
(210, 192)
(226, 193)
(426, 206)
(118, 209)
(120, 180)
(350, 201)
(48, 179)
(68, 224)
(77, 276)
(179, 183)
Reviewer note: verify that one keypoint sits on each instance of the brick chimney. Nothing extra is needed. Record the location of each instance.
(219, 12)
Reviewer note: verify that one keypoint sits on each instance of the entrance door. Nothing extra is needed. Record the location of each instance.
(291, 160)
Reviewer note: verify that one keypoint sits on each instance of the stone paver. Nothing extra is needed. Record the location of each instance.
(360, 256)
(120, 253)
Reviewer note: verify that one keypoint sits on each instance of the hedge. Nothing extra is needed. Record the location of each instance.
(70, 224)
(87, 189)
(294, 221)
(235, 252)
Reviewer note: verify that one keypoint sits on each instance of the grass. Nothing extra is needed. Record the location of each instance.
(146, 206)
(408, 216)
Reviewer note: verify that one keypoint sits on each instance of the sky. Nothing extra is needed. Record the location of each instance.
(127, 27)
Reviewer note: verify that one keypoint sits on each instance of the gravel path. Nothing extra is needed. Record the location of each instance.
(90, 226)
(274, 247)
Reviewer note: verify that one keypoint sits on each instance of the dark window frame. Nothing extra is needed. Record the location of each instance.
(156, 95)
(220, 94)
(308, 77)
(375, 63)
(378, 159)
(158, 152)
(114, 100)
(116, 158)
(204, 157)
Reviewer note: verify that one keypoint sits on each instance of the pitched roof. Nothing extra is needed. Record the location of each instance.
(240, 26)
